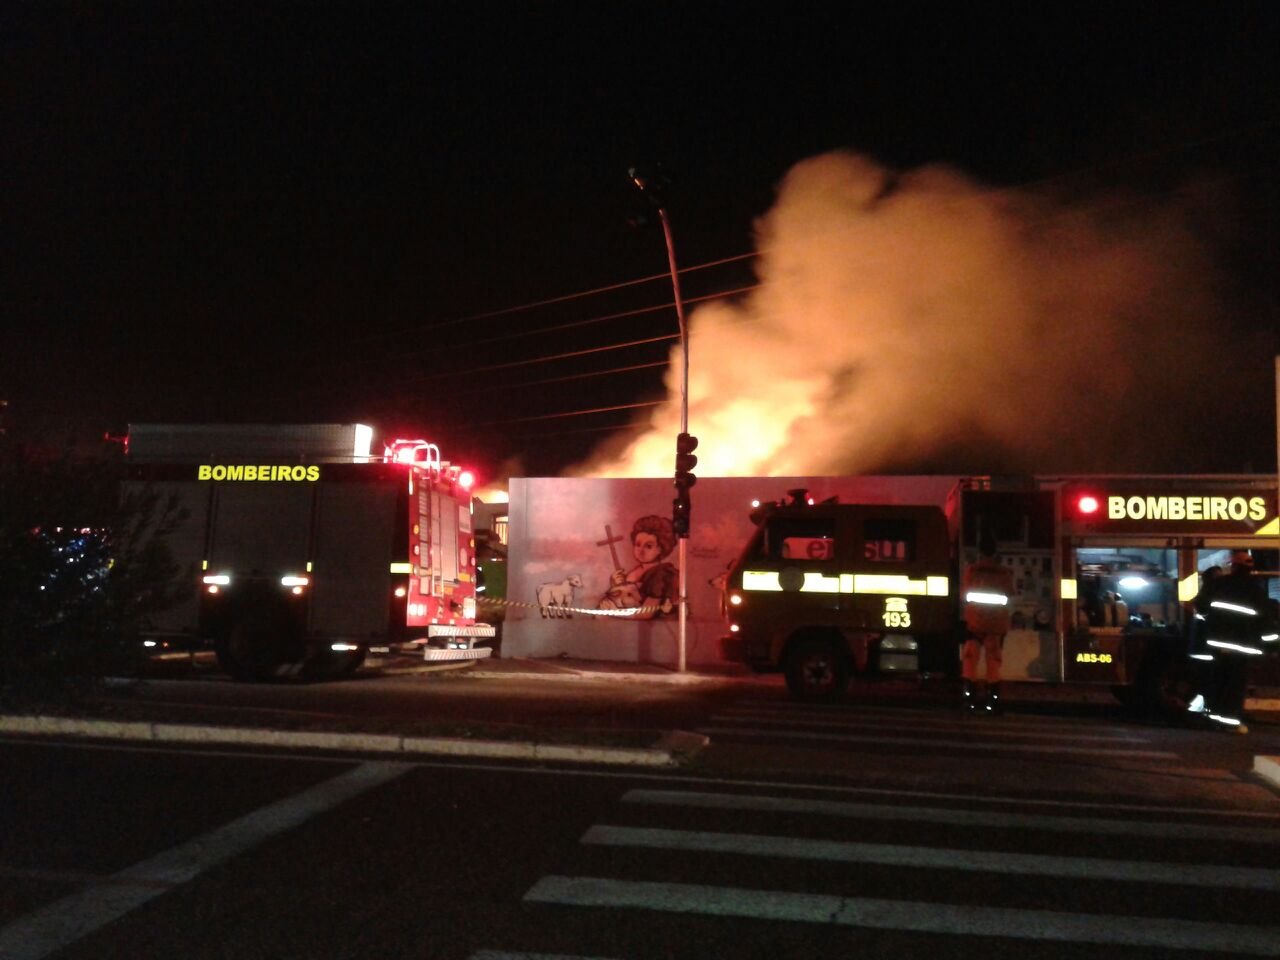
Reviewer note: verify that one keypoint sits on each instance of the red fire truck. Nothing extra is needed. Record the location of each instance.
(1105, 569)
(306, 550)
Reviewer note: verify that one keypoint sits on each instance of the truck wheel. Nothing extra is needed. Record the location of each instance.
(817, 670)
(335, 666)
(255, 649)
(1161, 688)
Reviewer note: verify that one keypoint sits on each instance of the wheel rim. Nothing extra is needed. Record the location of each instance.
(818, 671)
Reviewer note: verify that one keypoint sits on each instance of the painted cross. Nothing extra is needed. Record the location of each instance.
(609, 541)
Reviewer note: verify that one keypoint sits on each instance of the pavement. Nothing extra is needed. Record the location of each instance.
(662, 749)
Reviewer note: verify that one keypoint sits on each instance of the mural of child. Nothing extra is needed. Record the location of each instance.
(652, 582)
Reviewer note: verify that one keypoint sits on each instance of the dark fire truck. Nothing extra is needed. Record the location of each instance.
(306, 550)
(1104, 572)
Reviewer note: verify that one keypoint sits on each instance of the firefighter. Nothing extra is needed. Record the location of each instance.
(987, 591)
(1234, 607)
(1201, 665)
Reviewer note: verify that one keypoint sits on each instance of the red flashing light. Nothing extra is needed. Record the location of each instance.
(1088, 504)
(466, 479)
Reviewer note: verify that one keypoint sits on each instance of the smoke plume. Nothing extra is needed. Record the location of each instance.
(920, 322)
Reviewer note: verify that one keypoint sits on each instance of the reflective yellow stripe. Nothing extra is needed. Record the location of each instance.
(402, 568)
(877, 583)
(817, 583)
(1188, 588)
(760, 580)
(884, 583)
(1068, 589)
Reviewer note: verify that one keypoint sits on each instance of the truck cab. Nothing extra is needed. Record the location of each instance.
(826, 590)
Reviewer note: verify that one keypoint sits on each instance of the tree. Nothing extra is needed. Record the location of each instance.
(82, 566)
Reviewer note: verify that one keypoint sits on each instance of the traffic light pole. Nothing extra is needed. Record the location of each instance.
(682, 556)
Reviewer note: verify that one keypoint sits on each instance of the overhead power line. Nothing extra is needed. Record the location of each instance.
(573, 413)
(532, 360)
(639, 311)
(612, 371)
(551, 301)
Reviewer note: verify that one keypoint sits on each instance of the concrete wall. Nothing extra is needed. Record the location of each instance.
(559, 541)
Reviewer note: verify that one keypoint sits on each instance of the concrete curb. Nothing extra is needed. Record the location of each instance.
(672, 749)
(1268, 768)
(552, 671)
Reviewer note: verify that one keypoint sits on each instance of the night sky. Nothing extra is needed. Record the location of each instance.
(322, 211)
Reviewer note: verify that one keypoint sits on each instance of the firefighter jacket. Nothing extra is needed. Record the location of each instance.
(1237, 615)
(987, 593)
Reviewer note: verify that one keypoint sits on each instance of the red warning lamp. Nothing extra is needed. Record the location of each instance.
(1087, 504)
(466, 479)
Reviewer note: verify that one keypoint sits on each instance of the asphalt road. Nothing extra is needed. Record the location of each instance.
(892, 827)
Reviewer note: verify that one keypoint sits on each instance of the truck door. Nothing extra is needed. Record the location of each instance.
(356, 533)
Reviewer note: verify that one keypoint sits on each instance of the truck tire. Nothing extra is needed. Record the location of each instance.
(261, 644)
(1161, 687)
(329, 665)
(817, 669)
(247, 651)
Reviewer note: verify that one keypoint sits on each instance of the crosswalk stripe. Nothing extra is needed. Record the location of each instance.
(966, 744)
(940, 858)
(64, 921)
(914, 916)
(1001, 820)
(1003, 729)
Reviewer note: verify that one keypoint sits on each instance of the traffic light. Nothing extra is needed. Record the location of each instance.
(685, 462)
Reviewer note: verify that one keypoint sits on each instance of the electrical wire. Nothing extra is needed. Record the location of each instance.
(523, 384)
(574, 413)
(639, 311)
(550, 301)
(532, 360)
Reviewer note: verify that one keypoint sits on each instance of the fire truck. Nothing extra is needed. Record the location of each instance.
(305, 550)
(1104, 569)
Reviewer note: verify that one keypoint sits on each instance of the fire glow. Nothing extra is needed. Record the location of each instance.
(904, 319)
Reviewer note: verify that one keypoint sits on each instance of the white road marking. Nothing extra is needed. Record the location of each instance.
(952, 744)
(507, 955)
(986, 819)
(938, 858)
(58, 924)
(914, 916)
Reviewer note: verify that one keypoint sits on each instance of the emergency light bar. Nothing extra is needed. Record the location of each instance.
(986, 599)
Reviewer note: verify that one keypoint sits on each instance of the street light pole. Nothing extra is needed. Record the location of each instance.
(682, 556)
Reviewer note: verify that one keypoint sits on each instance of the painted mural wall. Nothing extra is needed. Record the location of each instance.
(592, 563)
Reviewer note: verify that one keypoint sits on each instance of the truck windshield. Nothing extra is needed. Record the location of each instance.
(794, 538)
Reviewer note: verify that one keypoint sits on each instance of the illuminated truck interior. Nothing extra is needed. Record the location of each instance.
(1119, 587)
